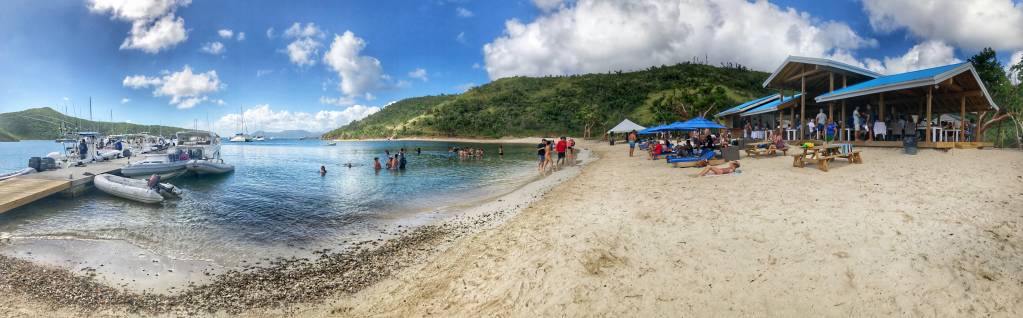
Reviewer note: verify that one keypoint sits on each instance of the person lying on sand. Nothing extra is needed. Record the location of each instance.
(719, 170)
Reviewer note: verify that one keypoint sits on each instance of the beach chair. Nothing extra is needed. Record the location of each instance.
(685, 162)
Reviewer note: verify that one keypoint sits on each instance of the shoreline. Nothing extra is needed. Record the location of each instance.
(271, 287)
(502, 140)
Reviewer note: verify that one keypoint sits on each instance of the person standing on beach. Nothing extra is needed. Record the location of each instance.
(541, 152)
(571, 151)
(550, 154)
(632, 142)
(561, 147)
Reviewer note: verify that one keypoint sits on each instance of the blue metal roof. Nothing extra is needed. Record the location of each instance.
(770, 107)
(896, 79)
(747, 105)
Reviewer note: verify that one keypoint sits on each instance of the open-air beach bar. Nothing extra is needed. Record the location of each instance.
(867, 108)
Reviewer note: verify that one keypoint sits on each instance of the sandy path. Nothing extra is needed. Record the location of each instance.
(632, 237)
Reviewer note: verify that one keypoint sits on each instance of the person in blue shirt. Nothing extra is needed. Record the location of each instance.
(830, 131)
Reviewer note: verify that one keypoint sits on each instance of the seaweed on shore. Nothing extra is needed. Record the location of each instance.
(285, 282)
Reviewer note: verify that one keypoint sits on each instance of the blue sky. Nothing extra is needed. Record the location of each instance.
(362, 55)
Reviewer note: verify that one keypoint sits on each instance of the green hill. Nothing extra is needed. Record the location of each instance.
(6, 136)
(45, 123)
(555, 105)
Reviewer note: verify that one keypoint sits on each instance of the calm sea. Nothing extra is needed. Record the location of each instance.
(275, 200)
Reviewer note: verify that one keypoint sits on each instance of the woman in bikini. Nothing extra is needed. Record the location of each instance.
(719, 171)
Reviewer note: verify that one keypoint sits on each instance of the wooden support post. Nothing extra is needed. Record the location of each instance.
(881, 115)
(927, 133)
(962, 118)
(831, 88)
(841, 122)
(802, 106)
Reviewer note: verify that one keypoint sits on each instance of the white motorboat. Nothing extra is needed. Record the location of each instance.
(259, 138)
(240, 137)
(107, 154)
(134, 189)
(203, 150)
(12, 174)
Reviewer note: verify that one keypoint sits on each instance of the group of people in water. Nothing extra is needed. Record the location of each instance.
(564, 148)
(473, 152)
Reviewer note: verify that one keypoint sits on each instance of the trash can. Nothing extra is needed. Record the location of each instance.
(909, 145)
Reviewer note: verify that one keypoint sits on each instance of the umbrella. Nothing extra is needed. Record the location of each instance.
(697, 123)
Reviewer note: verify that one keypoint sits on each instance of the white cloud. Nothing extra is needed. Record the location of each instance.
(270, 33)
(154, 26)
(548, 5)
(1015, 59)
(358, 73)
(136, 9)
(463, 12)
(924, 55)
(600, 36)
(303, 51)
(241, 36)
(420, 74)
(476, 65)
(125, 100)
(971, 25)
(461, 37)
(270, 120)
(225, 33)
(465, 87)
(298, 31)
(215, 48)
(185, 88)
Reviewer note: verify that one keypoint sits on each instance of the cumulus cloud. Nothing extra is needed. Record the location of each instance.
(303, 51)
(185, 88)
(420, 74)
(970, 25)
(463, 12)
(215, 48)
(298, 31)
(241, 36)
(358, 73)
(924, 55)
(125, 100)
(225, 33)
(277, 120)
(154, 27)
(599, 36)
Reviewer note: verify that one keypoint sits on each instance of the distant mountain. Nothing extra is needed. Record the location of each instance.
(560, 105)
(45, 123)
(287, 134)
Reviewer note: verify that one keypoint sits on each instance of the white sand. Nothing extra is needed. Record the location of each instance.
(937, 234)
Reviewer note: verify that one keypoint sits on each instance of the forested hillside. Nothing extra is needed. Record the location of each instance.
(576, 105)
(45, 123)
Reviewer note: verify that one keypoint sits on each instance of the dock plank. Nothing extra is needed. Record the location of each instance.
(16, 192)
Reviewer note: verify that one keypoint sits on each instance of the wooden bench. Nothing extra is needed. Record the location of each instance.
(853, 157)
(800, 160)
(769, 151)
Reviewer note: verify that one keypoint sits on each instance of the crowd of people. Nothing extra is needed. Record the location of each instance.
(464, 153)
(563, 148)
(692, 143)
(863, 124)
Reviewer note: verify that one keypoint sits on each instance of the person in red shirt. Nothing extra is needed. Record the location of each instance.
(560, 148)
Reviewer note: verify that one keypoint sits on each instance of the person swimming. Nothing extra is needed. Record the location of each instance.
(323, 171)
(376, 163)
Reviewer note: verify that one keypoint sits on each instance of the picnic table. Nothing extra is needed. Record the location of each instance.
(822, 155)
(755, 150)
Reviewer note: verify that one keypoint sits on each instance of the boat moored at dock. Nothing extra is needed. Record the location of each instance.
(134, 189)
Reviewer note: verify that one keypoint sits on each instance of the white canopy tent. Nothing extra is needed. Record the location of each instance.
(626, 126)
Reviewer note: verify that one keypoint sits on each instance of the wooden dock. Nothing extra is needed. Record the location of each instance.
(70, 182)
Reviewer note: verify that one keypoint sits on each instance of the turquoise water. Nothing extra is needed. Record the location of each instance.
(275, 200)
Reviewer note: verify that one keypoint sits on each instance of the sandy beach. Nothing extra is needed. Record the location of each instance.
(931, 235)
(506, 140)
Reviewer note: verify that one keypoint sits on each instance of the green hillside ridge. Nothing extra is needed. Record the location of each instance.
(45, 123)
(6, 136)
(564, 105)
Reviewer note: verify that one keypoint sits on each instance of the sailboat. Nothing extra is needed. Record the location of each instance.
(241, 137)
